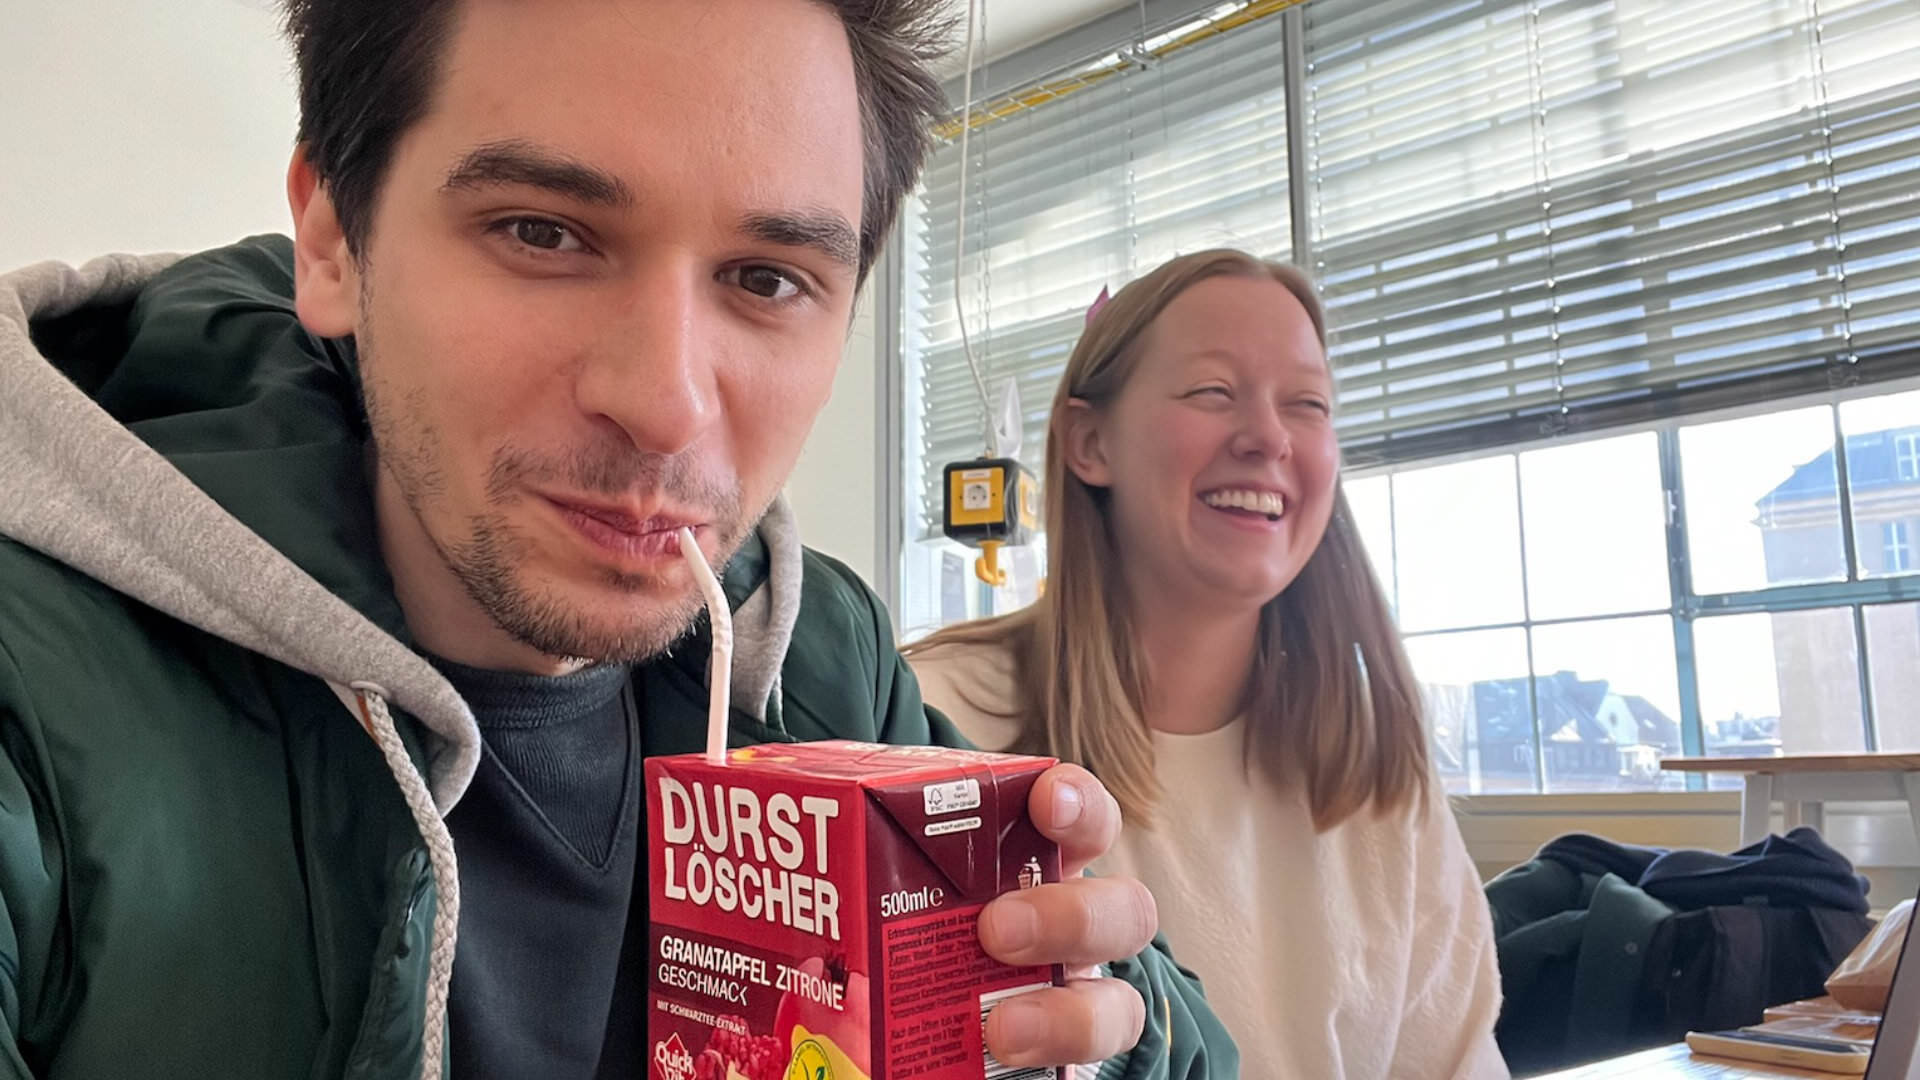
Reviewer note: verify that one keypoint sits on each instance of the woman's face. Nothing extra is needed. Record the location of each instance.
(1219, 452)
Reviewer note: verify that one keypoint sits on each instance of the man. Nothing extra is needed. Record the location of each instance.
(565, 277)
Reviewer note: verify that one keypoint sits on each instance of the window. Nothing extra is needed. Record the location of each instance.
(1371, 502)
(1906, 454)
(1587, 631)
(1896, 547)
(1893, 655)
(1467, 572)
(1779, 682)
(1535, 594)
(1881, 484)
(1589, 505)
(1608, 700)
(1762, 501)
(1479, 714)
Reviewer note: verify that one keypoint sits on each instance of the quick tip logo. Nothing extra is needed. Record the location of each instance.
(672, 1059)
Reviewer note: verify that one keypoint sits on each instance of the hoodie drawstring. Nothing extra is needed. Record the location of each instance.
(369, 702)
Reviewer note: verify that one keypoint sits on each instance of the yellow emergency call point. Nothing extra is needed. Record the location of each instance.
(991, 503)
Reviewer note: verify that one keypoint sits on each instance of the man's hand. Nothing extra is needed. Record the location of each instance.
(1081, 922)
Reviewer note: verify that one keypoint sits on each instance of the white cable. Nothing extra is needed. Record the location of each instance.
(960, 240)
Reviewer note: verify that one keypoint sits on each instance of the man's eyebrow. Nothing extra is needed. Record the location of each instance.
(517, 161)
(822, 230)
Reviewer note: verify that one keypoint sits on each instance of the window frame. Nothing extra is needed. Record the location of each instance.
(1858, 593)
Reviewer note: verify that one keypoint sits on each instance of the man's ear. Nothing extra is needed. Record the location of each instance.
(326, 280)
(1085, 447)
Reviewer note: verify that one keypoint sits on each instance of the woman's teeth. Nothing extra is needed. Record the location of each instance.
(1257, 502)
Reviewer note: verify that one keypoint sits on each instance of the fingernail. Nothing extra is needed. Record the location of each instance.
(1022, 1024)
(1013, 925)
(1067, 804)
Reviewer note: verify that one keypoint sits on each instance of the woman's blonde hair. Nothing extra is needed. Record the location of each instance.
(1332, 706)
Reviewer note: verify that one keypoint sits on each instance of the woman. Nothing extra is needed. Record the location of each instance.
(1213, 645)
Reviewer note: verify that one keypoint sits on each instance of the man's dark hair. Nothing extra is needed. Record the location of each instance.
(368, 69)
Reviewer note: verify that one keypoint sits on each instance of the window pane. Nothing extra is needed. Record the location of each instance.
(1779, 682)
(1458, 549)
(1371, 501)
(1896, 548)
(1883, 478)
(1596, 528)
(1609, 703)
(1482, 733)
(937, 587)
(1893, 659)
(1762, 502)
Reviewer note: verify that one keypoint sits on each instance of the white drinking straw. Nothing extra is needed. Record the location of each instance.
(720, 663)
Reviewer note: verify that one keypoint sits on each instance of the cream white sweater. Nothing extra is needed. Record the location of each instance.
(1361, 953)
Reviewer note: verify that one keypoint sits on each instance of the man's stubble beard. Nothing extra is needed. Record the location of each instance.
(490, 556)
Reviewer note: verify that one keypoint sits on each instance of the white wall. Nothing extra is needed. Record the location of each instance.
(130, 125)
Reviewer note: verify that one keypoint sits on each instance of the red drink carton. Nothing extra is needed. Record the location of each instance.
(814, 910)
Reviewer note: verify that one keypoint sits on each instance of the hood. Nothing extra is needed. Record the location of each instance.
(168, 428)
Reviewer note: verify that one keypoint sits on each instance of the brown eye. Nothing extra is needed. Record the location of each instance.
(768, 283)
(544, 235)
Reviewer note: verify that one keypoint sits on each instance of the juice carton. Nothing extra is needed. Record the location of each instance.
(814, 910)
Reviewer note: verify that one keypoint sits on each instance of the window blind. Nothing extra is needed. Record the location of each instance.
(1534, 216)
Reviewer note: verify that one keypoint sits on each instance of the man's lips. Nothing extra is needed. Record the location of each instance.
(623, 532)
(626, 521)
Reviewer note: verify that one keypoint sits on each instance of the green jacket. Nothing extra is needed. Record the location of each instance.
(207, 867)
(1573, 949)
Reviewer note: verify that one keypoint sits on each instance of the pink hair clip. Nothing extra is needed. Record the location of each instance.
(1098, 303)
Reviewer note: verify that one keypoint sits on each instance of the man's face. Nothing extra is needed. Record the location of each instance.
(607, 286)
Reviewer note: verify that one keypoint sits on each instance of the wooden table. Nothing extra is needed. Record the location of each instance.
(1807, 782)
(1679, 1063)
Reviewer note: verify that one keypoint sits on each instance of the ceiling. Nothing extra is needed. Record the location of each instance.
(1012, 25)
